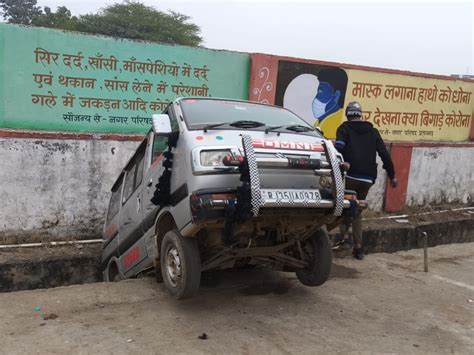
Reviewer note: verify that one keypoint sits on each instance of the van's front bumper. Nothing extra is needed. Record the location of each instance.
(210, 204)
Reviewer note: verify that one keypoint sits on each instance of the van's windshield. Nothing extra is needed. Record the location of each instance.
(228, 114)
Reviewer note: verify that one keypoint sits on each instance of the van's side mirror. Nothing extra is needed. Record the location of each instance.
(161, 123)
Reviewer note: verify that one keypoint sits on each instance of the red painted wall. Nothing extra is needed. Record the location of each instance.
(471, 134)
(263, 77)
(395, 197)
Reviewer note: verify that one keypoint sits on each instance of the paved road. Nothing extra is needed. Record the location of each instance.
(383, 304)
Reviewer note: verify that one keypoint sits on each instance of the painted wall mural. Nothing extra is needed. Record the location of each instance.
(409, 108)
(402, 107)
(314, 92)
(55, 80)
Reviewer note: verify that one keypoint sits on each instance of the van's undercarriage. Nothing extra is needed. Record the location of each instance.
(274, 238)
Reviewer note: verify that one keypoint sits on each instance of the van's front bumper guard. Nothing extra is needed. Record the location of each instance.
(259, 200)
(247, 200)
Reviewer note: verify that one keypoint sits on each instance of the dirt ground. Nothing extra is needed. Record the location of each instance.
(385, 303)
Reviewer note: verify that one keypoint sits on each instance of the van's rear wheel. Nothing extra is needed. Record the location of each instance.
(317, 252)
(180, 265)
(113, 274)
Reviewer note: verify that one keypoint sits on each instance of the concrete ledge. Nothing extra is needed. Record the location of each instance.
(39, 268)
(61, 266)
(410, 237)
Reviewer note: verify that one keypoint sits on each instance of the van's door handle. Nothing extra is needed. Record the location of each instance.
(138, 204)
(149, 183)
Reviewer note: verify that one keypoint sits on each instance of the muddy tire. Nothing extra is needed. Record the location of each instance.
(180, 265)
(317, 251)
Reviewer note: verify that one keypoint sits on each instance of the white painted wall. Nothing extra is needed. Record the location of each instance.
(57, 187)
(439, 175)
(377, 191)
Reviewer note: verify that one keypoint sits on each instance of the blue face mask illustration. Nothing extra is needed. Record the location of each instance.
(326, 101)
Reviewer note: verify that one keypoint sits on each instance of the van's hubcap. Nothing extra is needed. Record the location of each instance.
(173, 266)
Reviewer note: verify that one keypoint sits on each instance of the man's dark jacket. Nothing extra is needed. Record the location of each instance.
(358, 141)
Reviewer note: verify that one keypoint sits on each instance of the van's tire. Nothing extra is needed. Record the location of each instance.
(158, 275)
(180, 265)
(113, 273)
(317, 250)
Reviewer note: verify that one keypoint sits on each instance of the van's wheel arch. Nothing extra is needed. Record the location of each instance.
(180, 264)
(318, 253)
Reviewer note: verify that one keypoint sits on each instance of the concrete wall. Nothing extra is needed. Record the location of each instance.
(58, 187)
(441, 175)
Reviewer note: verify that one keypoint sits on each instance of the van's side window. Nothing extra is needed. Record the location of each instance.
(128, 186)
(115, 200)
(134, 173)
(159, 146)
(139, 172)
(173, 121)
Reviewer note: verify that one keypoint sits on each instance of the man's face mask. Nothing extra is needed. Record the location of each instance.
(322, 99)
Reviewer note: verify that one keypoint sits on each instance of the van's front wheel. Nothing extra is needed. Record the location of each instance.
(180, 265)
(317, 252)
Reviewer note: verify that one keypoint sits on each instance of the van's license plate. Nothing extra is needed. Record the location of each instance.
(291, 195)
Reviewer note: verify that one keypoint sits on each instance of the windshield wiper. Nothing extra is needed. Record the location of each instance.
(239, 124)
(273, 128)
(214, 125)
(246, 124)
(299, 128)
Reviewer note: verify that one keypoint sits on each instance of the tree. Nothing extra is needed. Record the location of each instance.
(20, 12)
(137, 21)
(62, 19)
(129, 19)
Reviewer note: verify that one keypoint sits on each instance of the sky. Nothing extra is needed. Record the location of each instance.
(425, 36)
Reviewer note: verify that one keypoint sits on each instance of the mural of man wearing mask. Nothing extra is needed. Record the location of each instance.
(329, 100)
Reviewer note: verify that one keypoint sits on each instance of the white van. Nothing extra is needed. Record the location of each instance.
(222, 184)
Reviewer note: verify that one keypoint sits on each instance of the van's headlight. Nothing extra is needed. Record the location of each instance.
(213, 157)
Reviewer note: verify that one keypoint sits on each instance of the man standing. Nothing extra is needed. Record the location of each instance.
(359, 142)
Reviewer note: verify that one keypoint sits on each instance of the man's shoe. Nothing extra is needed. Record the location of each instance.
(358, 253)
(342, 244)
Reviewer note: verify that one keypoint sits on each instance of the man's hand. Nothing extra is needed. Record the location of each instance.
(394, 182)
(345, 166)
